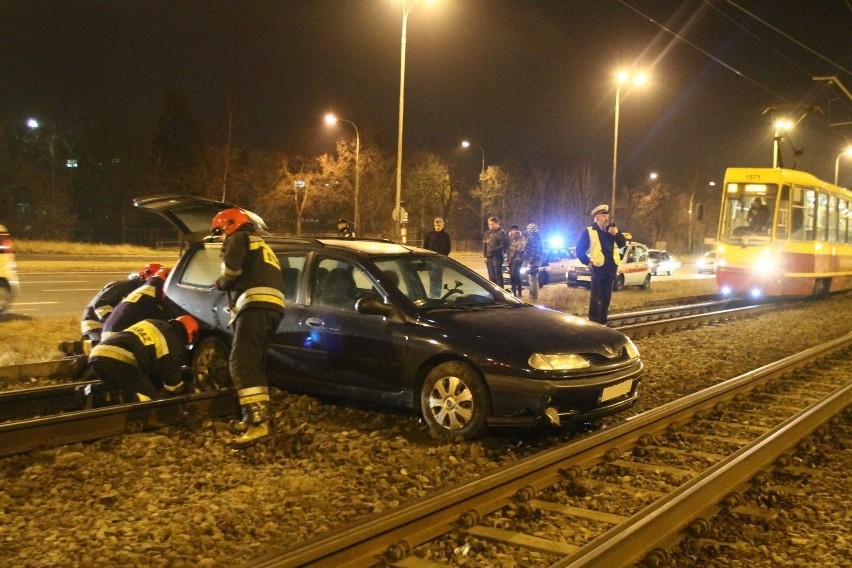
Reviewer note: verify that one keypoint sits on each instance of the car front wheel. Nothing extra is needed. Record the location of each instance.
(454, 401)
(619, 283)
(210, 365)
(647, 282)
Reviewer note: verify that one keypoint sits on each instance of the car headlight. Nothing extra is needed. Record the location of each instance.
(557, 361)
(632, 351)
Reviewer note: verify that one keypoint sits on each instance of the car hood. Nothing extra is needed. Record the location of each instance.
(189, 214)
(529, 329)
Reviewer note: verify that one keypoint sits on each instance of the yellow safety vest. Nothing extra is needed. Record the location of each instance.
(596, 251)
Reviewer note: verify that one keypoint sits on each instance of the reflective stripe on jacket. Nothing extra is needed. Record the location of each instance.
(596, 254)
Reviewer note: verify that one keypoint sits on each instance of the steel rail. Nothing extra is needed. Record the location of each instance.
(53, 431)
(398, 531)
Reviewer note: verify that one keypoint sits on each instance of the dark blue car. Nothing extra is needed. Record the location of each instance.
(389, 323)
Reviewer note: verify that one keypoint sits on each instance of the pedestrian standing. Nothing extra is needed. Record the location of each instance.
(438, 239)
(494, 245)
(515, 258)
(533, 255)
(344, 230)
(251, 274)
(598, 249)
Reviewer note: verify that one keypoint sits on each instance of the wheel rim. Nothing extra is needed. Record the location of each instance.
(210, 367)
(451, 403)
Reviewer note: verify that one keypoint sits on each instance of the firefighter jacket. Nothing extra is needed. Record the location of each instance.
(145, 302)
(251, 273)
(104, 301)
(155, 347)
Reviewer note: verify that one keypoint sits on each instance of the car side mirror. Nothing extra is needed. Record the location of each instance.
(373, 307)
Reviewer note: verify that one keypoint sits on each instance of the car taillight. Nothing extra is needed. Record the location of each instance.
(6, 244)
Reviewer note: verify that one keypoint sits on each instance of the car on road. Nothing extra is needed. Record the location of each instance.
(397, 325)
(554, 266)
(707, 263)
(9, 283)
(633, 270)
(661, 262)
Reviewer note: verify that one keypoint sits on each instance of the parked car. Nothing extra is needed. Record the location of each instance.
(554, 266)
(633, 270)
(707, 263)
(661, 262)
(9, 283)
(364, 321)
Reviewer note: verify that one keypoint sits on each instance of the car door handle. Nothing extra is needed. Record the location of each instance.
(315, 322)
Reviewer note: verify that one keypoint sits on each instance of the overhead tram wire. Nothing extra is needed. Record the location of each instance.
(703, 52)
(794, 40)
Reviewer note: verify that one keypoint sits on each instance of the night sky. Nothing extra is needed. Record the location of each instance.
(527, 80)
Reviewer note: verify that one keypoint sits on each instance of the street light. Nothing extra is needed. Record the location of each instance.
(846, 152)
(466, 144)
(330, 118)
(398, 215)
(622, 78)
(782, 125)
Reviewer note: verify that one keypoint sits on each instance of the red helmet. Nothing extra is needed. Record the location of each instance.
(150, 270)
(163, 273)
(191, 327)
(228, 221)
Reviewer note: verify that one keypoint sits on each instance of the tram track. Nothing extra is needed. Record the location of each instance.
(502, 507)
(30, 418)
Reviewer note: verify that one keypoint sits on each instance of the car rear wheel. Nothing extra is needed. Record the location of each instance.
(647, 282)
(454, 401)
(210, 365)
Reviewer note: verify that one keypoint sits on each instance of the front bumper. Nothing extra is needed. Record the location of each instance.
(520, 401)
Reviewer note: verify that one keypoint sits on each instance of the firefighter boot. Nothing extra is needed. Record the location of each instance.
(256, 417)
(71, 348)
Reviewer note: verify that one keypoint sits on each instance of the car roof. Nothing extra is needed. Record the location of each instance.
(369, 247)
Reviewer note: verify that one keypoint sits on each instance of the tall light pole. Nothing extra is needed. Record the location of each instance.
(622, 78)
(782, 125)
(467, 144)
(846, 152)
(330, 118)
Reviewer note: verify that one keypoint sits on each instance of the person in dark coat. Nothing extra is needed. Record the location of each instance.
(251, 275)
(145, 361)
(598, 249)
(494, 245)
(100, 307)
(515, 258)
(533, 256)
(145, 302)
(344, 230)
(438, 240)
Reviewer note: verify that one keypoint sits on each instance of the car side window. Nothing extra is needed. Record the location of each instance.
(292, 266)
(203, 268)
(338, 284)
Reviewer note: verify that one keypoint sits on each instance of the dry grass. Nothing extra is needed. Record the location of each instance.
(25, 340)
(23, 246)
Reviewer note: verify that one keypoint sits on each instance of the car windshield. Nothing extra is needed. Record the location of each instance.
(435, 281)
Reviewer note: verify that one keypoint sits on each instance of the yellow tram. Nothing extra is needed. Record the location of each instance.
(783, 233)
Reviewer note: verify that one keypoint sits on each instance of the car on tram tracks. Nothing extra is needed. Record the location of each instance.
(398, 325)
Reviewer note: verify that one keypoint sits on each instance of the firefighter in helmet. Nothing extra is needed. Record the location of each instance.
(251, 275)
(101, 306)
(146, 360)
(145, 302)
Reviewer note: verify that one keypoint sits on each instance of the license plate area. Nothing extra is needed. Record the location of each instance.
(616, 390)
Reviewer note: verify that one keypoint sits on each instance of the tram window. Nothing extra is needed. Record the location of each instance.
(843, 231)
(821, 211)
(809, 217)
(783, 225)
(832, 219)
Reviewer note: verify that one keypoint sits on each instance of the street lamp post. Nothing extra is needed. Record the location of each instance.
(782, 125)
(622, 78)
(467, 144)
(846, 152)
(332, 119)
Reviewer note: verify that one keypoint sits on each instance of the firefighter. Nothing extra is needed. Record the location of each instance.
(146, 360)
(145, 302)
(101, 306)
(251, 275)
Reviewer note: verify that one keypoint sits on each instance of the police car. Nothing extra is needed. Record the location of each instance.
(633, 270)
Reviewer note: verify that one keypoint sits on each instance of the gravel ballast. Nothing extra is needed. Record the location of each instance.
(180, 497)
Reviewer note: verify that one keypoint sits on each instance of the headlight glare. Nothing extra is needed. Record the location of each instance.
(557, 361)
(632, 351)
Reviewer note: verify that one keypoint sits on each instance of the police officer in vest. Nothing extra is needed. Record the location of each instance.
(598, 249)
(252, 276)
